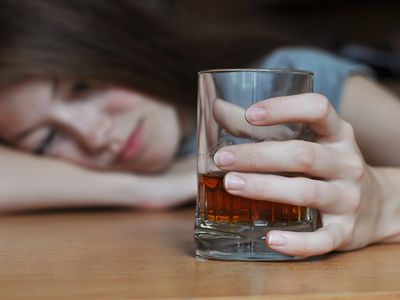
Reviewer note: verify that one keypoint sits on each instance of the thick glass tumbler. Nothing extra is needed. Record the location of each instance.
(230, 227)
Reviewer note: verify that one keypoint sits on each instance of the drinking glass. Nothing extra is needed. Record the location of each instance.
(230, 227)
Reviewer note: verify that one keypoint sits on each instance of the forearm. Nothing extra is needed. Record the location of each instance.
(374, 112)
(29, 182)
(388, 227)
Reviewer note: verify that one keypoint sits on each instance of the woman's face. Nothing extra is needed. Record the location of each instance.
(96, 126)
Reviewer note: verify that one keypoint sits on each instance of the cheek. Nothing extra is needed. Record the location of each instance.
(165, 138)
(119, 100)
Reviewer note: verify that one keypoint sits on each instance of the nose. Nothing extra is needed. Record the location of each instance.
(89, 127)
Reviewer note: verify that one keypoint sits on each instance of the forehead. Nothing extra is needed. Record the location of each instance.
(23, 104)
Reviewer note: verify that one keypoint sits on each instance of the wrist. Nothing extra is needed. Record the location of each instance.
(387, 194)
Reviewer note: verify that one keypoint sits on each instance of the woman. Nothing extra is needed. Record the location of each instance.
(97, 84)
(106, 115)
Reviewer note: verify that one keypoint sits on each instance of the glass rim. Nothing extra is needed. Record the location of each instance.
(249, 70)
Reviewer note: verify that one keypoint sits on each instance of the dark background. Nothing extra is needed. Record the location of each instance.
(234, 32)
(312, 21)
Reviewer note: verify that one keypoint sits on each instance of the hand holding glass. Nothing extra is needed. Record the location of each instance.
(231, 227)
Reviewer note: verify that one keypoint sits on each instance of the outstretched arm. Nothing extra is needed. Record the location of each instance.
(29, 182)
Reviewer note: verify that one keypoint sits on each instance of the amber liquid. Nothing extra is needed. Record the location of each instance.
(217, 205)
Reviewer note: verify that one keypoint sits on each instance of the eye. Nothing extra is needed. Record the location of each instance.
(79, 87)
(46, 142)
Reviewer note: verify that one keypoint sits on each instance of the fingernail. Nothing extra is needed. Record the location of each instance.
(224, 158)
(233, 182)
(276, 239)
(255, 114)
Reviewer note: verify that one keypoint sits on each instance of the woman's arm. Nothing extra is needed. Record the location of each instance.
(374, 113)
(29, 182)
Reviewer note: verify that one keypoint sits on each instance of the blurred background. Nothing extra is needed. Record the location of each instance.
(236, 32)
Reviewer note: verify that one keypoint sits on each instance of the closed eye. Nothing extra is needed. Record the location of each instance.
(46, 142)
(79, 87)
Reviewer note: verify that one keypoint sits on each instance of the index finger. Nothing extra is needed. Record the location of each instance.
(313, 109)
(232, 118)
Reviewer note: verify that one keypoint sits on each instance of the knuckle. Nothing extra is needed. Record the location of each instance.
(304, 250)
(254, 159)
(307, 248)
(354, 200)
(356, 168)
(348, 129)
(347, 237)
(309, 195)
(304, 156)
(261, 188)
(322, 106)
(331, 242)
(331, 239)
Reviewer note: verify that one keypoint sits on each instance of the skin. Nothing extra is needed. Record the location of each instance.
(359, 203)
(92, 124)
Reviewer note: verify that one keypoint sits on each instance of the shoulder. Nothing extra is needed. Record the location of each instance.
(330, 71)
(310, 58)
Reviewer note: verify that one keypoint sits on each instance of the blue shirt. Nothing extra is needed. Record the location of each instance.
(330, 71)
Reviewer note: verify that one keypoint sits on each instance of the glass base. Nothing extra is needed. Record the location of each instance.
(243, 242)
(265, 256)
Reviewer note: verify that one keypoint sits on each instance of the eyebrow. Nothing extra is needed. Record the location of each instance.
(54, 89)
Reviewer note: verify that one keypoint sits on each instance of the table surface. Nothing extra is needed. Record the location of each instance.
(150, 255)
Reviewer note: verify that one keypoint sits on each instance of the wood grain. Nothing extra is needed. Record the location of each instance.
(137, 255)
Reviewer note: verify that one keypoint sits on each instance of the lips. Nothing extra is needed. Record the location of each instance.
(133, 144)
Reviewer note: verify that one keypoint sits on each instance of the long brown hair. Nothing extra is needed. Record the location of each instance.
(102, 40)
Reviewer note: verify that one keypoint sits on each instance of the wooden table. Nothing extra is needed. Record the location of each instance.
(140, 255)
